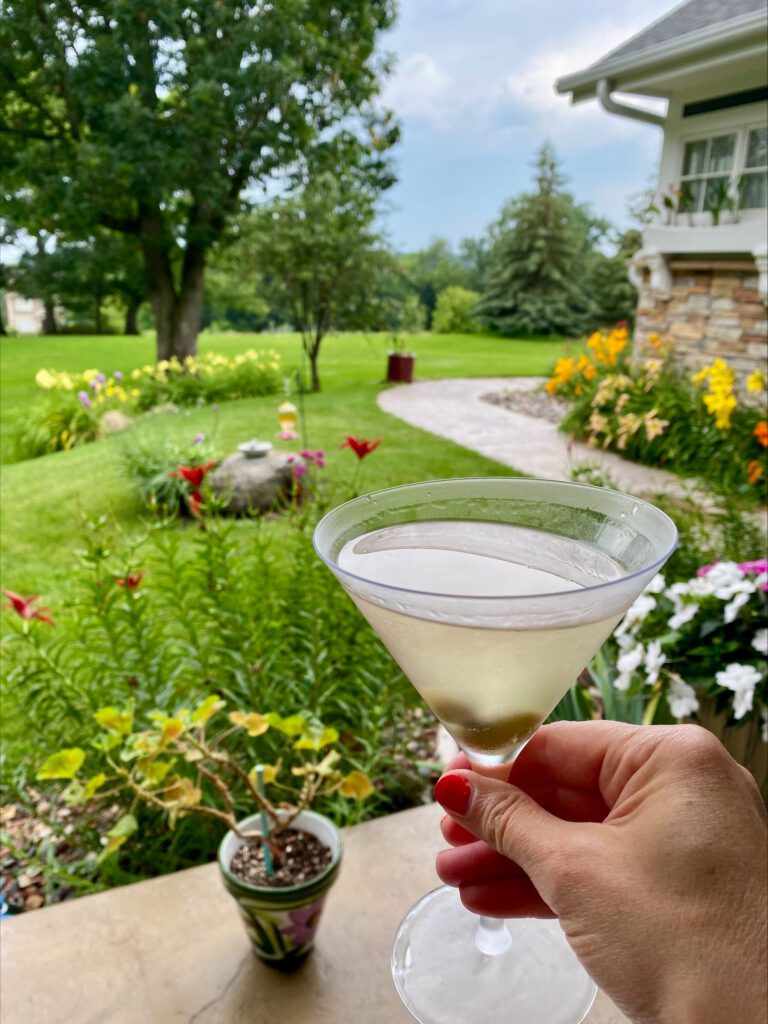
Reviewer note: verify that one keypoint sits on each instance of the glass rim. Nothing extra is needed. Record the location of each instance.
(592, 588)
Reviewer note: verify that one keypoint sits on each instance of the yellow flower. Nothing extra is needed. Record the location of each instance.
(136, 374)
(110, 391)
(654, 340)
(45, 380)
(756, 382)
(135, 392)
(654, 427)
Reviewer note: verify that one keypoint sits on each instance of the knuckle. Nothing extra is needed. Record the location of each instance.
(498, 820)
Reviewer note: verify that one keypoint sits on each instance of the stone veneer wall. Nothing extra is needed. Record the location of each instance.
(713, 309)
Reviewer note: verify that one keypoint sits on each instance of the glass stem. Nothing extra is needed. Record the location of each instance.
(492, 937)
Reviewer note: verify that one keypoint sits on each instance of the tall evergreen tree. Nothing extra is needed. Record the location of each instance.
(534, 283)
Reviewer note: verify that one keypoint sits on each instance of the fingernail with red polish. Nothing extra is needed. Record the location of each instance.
(453, 792)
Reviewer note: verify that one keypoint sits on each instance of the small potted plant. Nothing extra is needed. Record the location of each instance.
(278, 862)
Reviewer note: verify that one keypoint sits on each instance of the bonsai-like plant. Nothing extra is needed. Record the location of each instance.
(168, 764)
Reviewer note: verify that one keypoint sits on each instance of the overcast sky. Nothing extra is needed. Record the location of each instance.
(474, 90)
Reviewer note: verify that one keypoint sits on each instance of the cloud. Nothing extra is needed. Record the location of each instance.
(420, 89)
(532, 88)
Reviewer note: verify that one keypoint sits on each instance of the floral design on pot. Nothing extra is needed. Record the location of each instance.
(282, 923)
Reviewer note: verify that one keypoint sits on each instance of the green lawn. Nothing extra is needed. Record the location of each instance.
(45, 499)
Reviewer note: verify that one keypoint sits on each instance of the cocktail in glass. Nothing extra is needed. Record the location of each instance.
(492, 595)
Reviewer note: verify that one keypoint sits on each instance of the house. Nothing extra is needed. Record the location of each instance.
(23, 316)
(702, 272)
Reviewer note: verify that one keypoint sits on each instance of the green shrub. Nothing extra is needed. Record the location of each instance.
(453, 312)
(56, 422)
(208, 378)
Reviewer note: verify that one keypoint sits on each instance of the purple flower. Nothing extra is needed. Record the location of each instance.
(304, 922)
(84, 399)
(101, 379)
(93, 384)
(299, 469)
(118, 375)
(198, 439)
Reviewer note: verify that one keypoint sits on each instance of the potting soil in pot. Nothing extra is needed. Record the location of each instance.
(297, 857)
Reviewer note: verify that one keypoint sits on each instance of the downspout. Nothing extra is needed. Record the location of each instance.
(607, 102)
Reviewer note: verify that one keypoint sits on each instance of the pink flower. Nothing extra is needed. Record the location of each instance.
(299, 469)
(757, 566)
(304, 922)
(287, 435)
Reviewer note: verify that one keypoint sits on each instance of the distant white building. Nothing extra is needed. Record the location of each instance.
(702, 272)
(25, 316)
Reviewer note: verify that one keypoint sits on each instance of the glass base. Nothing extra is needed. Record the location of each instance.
(443, 978)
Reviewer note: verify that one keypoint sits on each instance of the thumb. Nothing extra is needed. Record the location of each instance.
(507, 819)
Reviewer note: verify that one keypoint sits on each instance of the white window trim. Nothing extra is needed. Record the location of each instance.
(741, 130)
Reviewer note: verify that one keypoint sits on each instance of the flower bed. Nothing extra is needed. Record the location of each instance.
(71, 407)
(651, 411)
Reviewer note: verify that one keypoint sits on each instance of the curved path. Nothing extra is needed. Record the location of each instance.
(453, 409)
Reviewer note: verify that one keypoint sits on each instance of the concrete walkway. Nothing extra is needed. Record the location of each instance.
(453, 409)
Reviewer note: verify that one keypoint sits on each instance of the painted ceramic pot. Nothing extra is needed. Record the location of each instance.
(282, 922)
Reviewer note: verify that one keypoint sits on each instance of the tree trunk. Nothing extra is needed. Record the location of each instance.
(313, 370)
(132, 316)
(97, 323)
(177, 314)
(49, 318)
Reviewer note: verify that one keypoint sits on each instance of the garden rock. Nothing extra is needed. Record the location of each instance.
(113, 421)
(254, 484)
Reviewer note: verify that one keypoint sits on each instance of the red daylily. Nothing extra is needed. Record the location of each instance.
(131, 581)
(360, 447)
(24, 606)
(193, 474)
(195, 500)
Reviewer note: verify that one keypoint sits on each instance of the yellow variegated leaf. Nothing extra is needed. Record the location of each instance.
(326, 765)
(154, 771)
(316, 741)
(183, 792)
(91, 785)
(209, 707)
(64, 764)
(356, 785)
(268, 774)
(291, 726)
(114, 720)
(254, 723)
(172, 729)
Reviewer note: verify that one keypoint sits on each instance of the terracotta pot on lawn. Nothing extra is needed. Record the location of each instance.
(400, 367)
(282, 922)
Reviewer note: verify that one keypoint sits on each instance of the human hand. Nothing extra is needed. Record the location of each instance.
(649, 845)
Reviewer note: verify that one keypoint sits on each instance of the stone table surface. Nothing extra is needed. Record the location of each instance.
(173, 950)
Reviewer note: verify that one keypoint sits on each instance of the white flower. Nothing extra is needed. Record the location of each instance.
(723, 575)
(760, 641)
(639, 610)
(654, 659)
(627, 663)
(684, 614)
(657, 585)
(742, 679)
(732, 609)
(681, 698)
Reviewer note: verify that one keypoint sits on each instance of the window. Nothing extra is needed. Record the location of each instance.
(754, 181)
(707, 167)
(717, 169)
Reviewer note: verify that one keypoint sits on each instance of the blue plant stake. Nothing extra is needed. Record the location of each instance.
(264, 823)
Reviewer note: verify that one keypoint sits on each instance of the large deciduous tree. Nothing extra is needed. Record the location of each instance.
(150, 117)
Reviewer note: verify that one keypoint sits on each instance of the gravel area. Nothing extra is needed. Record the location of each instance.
(531, 403)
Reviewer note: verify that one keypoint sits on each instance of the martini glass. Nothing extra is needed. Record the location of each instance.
(492, 595)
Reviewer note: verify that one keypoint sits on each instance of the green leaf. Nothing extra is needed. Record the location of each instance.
(114, 720)
(125, 826)
(64, 764)
(154, 771)
(209, 707)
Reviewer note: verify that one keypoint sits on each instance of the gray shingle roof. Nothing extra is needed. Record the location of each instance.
(684, 19)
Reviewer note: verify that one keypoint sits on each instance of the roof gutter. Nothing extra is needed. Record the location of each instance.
(608, 103)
